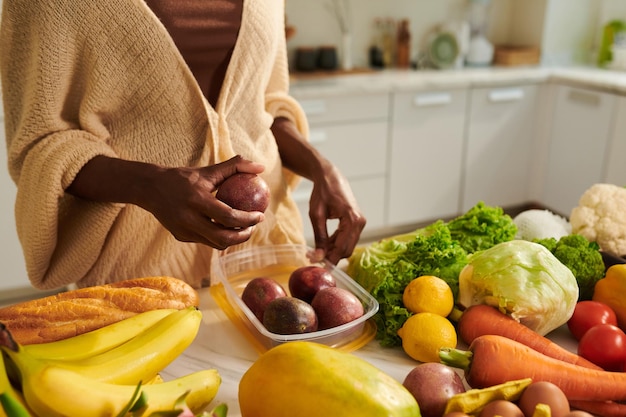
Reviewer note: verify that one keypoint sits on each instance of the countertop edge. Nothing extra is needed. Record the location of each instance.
(390, 81)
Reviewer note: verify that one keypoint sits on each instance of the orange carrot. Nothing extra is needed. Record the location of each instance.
(493, 360)
(600, 408)
(479, 320)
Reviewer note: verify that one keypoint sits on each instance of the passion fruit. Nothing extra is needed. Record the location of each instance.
(289, 315)
(244, 191)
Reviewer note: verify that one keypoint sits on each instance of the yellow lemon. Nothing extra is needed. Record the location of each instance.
(428, 294)
(423, 334)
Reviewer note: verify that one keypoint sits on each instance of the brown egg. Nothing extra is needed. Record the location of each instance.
(578, 413)
(543, 392)
(501, 408)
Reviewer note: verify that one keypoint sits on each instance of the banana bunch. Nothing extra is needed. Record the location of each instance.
(109, 372)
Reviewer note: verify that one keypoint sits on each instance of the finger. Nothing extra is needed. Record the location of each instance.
(226, 216)
(320, 233)
(344, 240)
(232, 166)
(220, 237)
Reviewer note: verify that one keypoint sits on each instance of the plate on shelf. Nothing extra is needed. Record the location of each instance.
(443, 50)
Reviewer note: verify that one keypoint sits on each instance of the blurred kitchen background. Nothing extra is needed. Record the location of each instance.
(564, 31)
(525, 124)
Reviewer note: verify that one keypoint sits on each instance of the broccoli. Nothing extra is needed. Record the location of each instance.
(582, 257)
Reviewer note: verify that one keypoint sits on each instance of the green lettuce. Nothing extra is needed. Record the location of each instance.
(386, 267)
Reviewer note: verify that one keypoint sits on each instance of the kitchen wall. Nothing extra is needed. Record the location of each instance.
(568, 31)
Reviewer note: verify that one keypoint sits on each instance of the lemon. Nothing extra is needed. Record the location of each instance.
(429, 294)
(423, 334)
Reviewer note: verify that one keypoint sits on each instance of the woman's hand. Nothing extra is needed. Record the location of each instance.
(181, 199)
(185, 203)
(332, 198)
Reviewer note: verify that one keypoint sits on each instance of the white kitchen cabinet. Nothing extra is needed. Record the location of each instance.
(351, 131)
(499, 146)
(425, 168)
(615, 172)
(579, 137)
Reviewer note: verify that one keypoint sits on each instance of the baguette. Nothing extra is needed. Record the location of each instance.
(74, 312)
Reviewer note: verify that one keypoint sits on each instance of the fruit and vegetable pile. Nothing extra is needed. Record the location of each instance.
(112, 371)
(472, 301)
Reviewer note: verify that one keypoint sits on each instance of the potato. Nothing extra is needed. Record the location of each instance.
(259, 292)
(306, 281)
(433, 384)
(244, 191)
(336, 306)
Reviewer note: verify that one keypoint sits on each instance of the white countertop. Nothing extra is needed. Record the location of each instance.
(398, 80)
(219, 345)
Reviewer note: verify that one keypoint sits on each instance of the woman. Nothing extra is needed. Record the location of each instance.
(122, 119)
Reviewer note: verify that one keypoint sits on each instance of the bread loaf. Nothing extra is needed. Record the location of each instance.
(74, 312)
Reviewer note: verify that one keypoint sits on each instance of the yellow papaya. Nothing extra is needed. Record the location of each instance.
(308, 379)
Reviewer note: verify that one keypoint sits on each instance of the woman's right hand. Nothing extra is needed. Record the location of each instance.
(182, 199)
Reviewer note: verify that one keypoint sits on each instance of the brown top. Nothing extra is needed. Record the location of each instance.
(205, 33)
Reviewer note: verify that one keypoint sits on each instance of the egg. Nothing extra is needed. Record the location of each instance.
(543, 392)
(501, 408)
(578, 413)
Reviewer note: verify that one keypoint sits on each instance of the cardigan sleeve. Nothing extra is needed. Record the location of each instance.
(79, 79)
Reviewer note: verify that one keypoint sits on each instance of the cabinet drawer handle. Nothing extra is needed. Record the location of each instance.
(313, 107)
(584, 97)
(317, 136)
(508, 94)
(434, 99)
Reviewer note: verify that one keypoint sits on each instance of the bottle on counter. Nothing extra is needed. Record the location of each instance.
(403, 46)
(376, 48)
(388, 42)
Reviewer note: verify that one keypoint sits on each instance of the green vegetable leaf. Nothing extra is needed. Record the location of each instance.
(386, 267)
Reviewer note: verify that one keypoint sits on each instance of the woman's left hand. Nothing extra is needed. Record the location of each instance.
(332, 198)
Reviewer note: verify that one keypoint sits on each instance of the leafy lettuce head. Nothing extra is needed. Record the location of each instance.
(522, 279)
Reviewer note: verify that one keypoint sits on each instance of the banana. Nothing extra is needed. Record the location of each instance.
(54, 391)
(97, 341)
(139, 359)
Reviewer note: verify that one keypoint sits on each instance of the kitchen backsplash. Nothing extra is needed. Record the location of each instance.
(566, 31)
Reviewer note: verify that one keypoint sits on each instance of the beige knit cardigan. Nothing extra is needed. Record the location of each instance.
(86, 78)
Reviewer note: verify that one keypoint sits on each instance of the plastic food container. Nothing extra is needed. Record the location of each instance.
(235, 270)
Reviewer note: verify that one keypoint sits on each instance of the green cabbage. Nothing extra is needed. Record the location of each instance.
(522, 279)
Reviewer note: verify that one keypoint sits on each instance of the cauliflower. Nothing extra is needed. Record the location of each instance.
(541, 224)
(601, 217)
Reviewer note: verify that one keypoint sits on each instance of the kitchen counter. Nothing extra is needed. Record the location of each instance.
(219, 345)
(303, 86)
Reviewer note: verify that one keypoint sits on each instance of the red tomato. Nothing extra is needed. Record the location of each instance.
(604, 345)
(588, 314)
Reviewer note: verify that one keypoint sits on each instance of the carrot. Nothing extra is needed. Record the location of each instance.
(600, 408)
(493, 360)
(479, 320)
